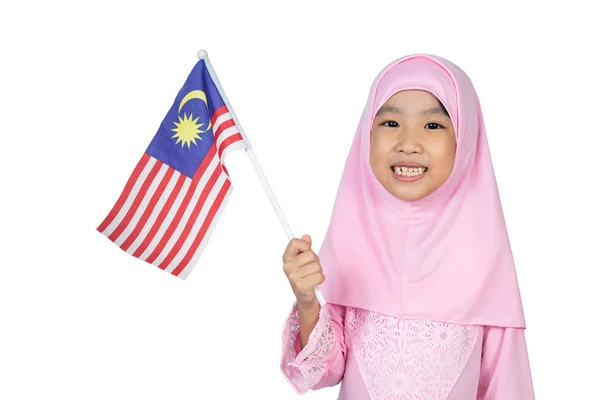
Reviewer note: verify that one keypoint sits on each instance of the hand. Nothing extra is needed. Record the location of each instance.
(303, 269)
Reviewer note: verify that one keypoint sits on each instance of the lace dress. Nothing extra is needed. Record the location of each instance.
(379, 357)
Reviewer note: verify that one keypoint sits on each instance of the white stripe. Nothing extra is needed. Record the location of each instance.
(157, 209)
(143, 205)
(226, 134)
(194, 260)
(233, 147)
(165, 224)
(134, 191)
(187, 244)
(222, 119)
(232, 130)
(188, 210)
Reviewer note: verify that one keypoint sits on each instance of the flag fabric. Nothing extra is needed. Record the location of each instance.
(175, 195)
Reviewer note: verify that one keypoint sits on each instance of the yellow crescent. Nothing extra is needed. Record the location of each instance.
(195, 94)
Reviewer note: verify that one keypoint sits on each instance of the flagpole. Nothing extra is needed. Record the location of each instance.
(203, 55)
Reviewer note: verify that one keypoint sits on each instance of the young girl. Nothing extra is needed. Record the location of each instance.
(422, 295)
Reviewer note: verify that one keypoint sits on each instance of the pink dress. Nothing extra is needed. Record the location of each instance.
(379, 357)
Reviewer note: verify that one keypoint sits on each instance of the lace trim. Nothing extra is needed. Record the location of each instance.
(305, 369)
(408, 359)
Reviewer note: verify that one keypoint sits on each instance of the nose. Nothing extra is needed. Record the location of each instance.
(409, 142)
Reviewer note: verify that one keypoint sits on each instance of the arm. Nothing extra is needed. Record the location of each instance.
(308, 317)
(321, 362)
(505, 372)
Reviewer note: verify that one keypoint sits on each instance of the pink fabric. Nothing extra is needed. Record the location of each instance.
(446, 257)
(410, 359)
(381, 357)
(505, 371)
(321, 362)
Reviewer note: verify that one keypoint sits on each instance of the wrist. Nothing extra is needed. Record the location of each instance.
(309, 308)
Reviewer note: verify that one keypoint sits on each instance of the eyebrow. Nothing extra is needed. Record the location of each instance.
(429, 111)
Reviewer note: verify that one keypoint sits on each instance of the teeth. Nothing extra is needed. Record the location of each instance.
(405, 171)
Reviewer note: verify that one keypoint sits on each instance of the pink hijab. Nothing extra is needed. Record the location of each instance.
(446, 257)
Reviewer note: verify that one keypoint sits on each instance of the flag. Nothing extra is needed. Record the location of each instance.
(176, 193)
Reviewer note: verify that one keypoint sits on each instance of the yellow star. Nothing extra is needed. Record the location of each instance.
(187, 130)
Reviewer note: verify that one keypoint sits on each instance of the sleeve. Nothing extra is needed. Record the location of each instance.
(505, 371)
(321, 362)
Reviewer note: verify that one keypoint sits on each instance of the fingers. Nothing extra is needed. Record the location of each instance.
(296, 246)
(308, 283)
(305, 270)
(300, 261)
(302, 267)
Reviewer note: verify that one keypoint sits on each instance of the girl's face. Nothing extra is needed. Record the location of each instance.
(412, 144)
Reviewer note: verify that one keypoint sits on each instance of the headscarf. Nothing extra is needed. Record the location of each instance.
(445, 257)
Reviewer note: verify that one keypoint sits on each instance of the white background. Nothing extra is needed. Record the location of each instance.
(83, 88)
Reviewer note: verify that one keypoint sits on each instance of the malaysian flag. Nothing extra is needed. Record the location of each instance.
(179, 187)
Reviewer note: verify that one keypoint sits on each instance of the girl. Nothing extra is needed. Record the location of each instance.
(422, 295)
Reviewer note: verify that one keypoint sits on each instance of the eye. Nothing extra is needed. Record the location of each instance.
(436, 124)
(390, 124)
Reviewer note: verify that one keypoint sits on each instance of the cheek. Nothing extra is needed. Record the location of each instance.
(372, 150)
(443, 155)
(378, 154)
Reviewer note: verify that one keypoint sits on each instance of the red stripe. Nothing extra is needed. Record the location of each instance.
(231, 139)
(220, 111)
(161, 217)
(148, 211)
(136, 202)
(188, 196)
(227, 124)
(193, 217)
(205, 225)
(125, 193)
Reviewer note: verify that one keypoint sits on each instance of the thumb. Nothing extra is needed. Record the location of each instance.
(307, 238)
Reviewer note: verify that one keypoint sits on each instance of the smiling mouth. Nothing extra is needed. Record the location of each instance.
(409, 172)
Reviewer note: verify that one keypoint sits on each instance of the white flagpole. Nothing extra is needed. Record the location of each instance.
(202, 54)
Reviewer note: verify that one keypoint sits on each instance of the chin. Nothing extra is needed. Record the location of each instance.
(410, 196)
(406, 193)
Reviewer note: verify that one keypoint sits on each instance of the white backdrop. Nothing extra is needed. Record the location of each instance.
(83, 88)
